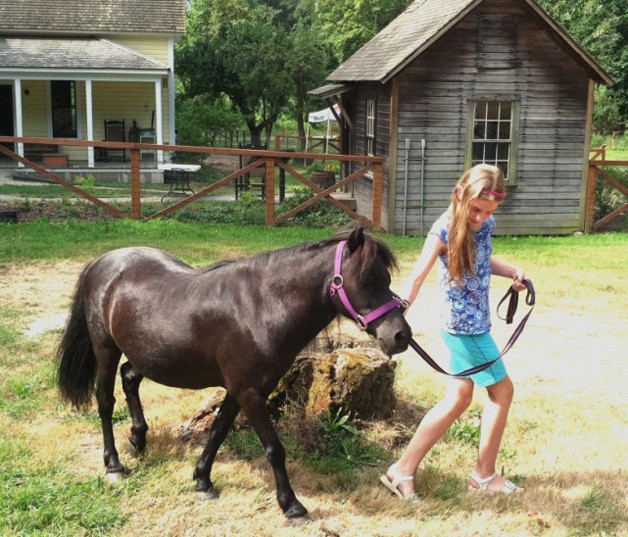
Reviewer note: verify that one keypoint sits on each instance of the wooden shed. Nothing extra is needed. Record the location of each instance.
(450, 84)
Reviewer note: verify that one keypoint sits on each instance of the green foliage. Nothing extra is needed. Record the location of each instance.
(233, 48)
(200, 120)
(348, 24)
(342, 448)
(338, 423)
(86, 183)
(321, 214)
(244, 443)
(602, 29)
(465, 431)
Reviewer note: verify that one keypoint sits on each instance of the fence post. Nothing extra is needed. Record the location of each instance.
(377, 196)
(136, 189)
(270, 192)
(590, 200)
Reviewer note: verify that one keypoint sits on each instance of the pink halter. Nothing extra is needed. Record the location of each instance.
(337, 287)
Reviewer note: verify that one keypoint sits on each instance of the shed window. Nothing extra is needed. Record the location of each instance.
(63, 105)
(370, 127)
(492, 139)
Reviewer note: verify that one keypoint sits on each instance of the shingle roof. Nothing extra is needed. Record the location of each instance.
(72, 53)
(419, 26)
(92, 16)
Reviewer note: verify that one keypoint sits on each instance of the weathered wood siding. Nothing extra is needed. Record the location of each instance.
(363, 188)
(519, 62)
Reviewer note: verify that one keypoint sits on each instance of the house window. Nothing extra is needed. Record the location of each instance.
(63, 105)
(492, 135)
(370, 127)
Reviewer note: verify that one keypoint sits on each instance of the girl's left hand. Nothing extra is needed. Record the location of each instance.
(517, 279)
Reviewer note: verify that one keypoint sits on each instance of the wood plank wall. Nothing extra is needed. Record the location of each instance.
(363, 189)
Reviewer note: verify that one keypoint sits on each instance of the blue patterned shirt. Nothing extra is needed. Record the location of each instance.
(466, 308)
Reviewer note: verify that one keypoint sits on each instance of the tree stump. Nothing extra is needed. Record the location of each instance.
(358, 380)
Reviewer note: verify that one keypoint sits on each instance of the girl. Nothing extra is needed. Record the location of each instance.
(461, 240)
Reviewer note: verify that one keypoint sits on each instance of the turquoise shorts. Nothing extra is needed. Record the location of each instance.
(469, 351)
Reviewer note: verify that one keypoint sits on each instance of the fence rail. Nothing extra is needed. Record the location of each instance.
(270, 159)
(597, 163)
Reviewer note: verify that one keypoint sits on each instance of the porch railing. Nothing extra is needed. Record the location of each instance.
(271, 159)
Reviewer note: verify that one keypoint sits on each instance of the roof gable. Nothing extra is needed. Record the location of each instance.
(80, 17)
(422, 24)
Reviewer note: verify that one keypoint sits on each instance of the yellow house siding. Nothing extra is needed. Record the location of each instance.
(34, 108)
(155, 47)
(126, 101)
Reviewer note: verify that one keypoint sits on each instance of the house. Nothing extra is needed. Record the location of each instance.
(69, 66)
(450, 84)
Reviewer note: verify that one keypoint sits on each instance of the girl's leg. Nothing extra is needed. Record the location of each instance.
(492, 428)
(431, 429)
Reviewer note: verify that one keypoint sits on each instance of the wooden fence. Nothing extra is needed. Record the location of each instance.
(597, 163)
(270, 159)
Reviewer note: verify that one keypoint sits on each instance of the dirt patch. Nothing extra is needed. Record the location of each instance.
(38, 290)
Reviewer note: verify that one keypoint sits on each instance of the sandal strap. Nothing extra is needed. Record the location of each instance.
(398, 478)
(483, 482)
(401, 479)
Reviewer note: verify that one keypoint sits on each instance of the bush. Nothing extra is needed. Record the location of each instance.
(321, 214)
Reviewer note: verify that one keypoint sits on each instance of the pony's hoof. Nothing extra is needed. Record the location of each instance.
(138, 447)
(296, 513)
(114, 477)
(298, 521)
(206, 495)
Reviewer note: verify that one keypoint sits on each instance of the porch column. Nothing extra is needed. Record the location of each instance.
(159, 121)
(19, 127)
(90, 122)
(171, 93)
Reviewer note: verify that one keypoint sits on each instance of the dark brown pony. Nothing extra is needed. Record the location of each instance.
(238, 324)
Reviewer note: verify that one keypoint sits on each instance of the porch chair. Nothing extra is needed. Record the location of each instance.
(114, 132)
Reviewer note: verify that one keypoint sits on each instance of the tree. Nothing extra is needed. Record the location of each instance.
(235, 48)
(349, 24)
(201, 119)
(602, 29)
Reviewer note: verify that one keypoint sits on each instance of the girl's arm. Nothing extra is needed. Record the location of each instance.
(432, 247)
(499, 268)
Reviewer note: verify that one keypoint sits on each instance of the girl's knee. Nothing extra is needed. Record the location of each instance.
(502, 391)
(460, 394)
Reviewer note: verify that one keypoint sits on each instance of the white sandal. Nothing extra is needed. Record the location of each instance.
(393, 486)
(483, 483)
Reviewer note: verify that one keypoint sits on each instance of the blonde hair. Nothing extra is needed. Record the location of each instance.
(485, 182)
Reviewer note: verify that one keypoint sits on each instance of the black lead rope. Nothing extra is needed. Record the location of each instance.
(513, 300)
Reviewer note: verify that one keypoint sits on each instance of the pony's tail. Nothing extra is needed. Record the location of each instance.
(76, 369)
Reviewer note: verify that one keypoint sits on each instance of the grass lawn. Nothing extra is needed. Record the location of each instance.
(566, 439)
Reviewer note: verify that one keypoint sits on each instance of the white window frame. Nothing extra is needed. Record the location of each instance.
(492, 131)
(371, 127)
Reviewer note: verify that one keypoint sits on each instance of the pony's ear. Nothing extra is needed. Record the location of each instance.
(356, 239)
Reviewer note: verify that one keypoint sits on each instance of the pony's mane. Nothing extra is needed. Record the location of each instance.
(370, 250)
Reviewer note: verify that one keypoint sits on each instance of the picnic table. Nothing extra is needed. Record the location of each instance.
(178, 177)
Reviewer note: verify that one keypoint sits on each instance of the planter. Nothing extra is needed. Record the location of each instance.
(323, 178)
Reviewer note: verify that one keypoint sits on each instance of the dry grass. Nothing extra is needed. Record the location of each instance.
(566, 440)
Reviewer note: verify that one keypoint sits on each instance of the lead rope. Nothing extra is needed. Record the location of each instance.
(512, 308)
